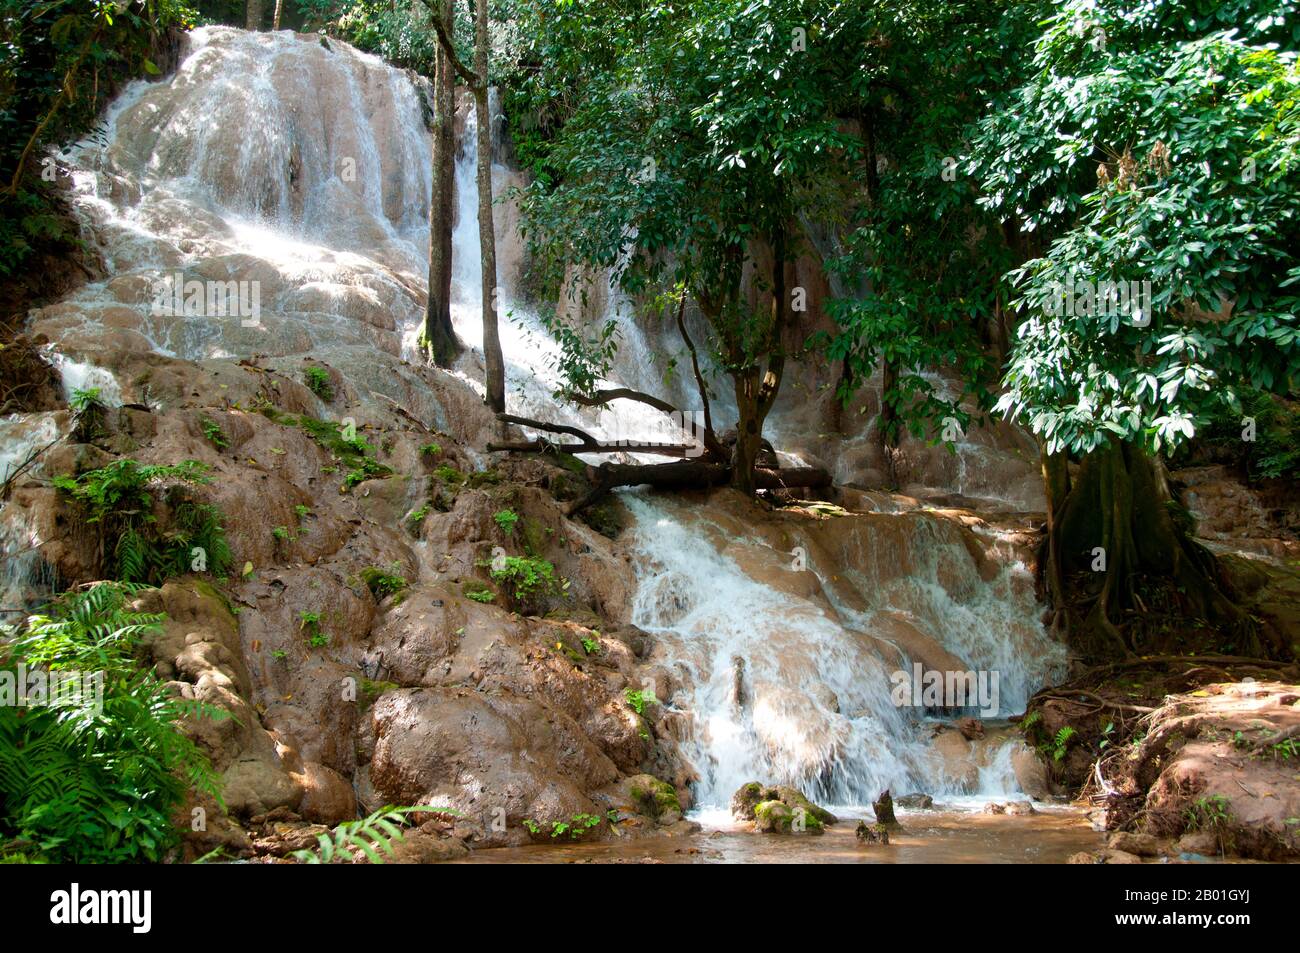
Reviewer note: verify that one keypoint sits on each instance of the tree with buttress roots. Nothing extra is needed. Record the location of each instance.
(1156, 154)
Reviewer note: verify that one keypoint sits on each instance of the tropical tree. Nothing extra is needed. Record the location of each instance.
(477, 79)
(921, 261)
(1154, 150)
(687, 167)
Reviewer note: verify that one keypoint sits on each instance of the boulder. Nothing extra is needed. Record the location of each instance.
(1143, 845)
(915, 802)
(779, 809)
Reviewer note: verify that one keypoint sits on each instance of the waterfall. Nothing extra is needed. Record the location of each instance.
(271, 158)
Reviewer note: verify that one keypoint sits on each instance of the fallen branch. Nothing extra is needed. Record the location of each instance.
(690, 475)
(13, 474)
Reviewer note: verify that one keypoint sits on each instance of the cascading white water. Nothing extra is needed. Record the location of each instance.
(783, 679)
(269, 157)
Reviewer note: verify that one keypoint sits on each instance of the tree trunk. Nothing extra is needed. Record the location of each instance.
(253, 15)
(887, 423)
(755, 392)
(1118, 523)
(749, 431)
(494, 364)
(439, 337)
(275, 20)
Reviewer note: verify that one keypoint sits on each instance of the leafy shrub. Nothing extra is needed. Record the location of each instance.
(531, 579)
(382, 583)
(506, 520)
(214, 434)
(81, 783)
(449, 475)
(639, 699)
(355, 453)
(317, 380)
(88, 410)
(310, 625)
(479, 592)
(119, 500)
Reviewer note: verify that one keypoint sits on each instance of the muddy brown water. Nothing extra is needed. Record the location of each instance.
(930, 837)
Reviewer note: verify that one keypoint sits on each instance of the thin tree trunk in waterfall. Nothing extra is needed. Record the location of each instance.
(439, 338)
(887, 422)
(275, 20)
(494, 364)
(253, 12)
(756, 393)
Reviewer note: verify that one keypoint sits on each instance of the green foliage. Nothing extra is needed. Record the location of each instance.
(119, 499)
(317, 380)
(81, 783)
(213, 433)
(355, 453)
(416, 516)
(89, 412)
(1061, 742)
(1262, 434)
(1211, 813)
(84, 398)
(381, 583)
(309, 624)
(639, 699)
(531, 579)
(370, 837)
(679, 143)
(400, 33)
(1154, 143)
(506, 520)
(917, 292)
(431, 450)
(574, 828)
(449, 475)
(479, 593)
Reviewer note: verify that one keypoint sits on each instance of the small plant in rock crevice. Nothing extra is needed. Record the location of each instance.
(119, 500)
(317, 380)
(213, 433)
(309, 624)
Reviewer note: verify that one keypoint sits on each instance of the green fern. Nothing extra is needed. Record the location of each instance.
(89, 783)
(369, 835)
(119, 501)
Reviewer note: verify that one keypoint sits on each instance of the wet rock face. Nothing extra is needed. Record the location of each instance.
(344, 699)
(463, 747)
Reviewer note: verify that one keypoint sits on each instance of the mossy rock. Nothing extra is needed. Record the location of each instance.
(369, 691)
(757, 802)
(795, 799)
(482, 478)
(746, 799)
(605, 518)
(656, 797)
